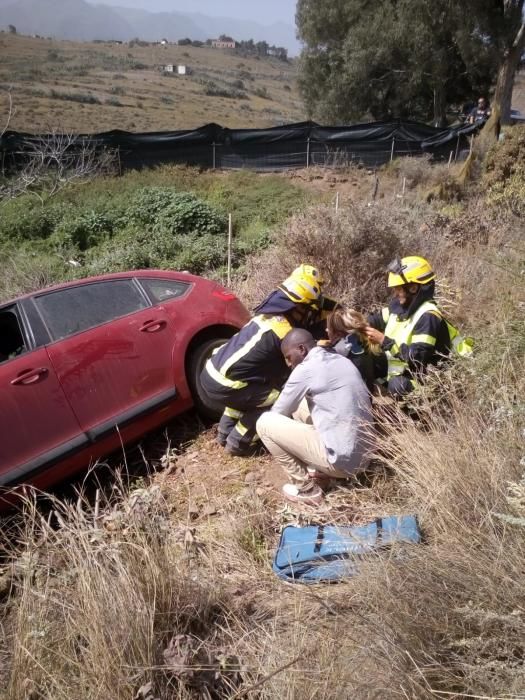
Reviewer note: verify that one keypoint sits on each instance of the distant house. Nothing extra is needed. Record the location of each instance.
(218, 44)
(179, 70)
(163, 42)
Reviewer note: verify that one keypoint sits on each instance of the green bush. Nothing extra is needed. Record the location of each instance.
(83, 231)
(135, 249)
(162, 208)
(24, 218)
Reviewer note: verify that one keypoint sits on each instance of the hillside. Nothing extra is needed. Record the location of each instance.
(93, 87)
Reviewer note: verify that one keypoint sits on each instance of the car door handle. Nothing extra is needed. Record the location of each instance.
(29, 376)
(152, 326)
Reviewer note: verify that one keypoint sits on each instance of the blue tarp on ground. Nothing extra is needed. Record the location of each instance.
(321, 553)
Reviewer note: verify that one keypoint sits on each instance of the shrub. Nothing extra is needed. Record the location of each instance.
(84, 98)
(26, 270)
(164, 209)
(261, 92)
(113, 102)
(213, 90)
(117, 90)
(504, 175)
(352, 249)
(418, 171)
(83, 231)
(24, 218)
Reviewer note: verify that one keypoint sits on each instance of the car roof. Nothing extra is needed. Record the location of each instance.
(172, 274)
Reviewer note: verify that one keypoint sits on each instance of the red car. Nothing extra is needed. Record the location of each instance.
(89, 365)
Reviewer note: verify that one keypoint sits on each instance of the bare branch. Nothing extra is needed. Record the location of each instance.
(46, 164)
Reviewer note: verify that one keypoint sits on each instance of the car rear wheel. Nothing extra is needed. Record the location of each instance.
(199, 357)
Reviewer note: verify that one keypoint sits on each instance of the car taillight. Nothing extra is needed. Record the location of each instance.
(224, 294)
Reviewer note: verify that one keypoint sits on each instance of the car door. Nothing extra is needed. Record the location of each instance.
(37, 425)
(111, 352)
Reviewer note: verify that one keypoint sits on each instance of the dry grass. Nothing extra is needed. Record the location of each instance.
(353, 247)
(147, 99)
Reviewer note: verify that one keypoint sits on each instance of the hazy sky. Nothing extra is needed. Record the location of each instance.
(266, 12)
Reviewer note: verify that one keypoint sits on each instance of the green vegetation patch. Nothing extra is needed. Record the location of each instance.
(169, 217)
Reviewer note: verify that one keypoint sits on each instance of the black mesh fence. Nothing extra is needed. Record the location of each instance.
(279, 148)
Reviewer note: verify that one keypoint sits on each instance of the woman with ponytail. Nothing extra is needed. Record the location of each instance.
(346, 334)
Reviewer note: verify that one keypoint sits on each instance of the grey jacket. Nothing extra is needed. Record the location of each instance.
(339, 404)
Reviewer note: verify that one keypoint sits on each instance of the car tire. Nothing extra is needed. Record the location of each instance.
(199, 357)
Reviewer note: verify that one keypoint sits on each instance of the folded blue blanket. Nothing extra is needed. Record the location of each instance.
(320, 553)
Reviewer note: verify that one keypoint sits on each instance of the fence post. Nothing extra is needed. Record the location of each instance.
(308, 152)
(393, 148)
(229, 269)
(119, 162)
(450, 158)
(336, 202)
(457, 149)
(214, 155)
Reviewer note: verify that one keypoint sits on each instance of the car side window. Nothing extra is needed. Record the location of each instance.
(75, 309)
(12, 341)
(164, 290)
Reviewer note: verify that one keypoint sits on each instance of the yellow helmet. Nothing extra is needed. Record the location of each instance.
(303, 286)
(409, 270)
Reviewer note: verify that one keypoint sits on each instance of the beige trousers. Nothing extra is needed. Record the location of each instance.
(296, 444)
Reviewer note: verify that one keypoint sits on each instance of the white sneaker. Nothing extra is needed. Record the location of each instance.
(309, 493)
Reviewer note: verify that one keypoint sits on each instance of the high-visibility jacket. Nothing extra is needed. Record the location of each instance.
(252, 355)
(413, 342)
(410, 343)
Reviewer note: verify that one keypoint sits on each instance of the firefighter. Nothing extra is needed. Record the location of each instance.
(412, 330)
(247, 373)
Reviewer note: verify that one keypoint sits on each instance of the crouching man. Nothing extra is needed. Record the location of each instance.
(331, 435)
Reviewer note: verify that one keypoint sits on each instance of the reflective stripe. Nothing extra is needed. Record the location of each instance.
(232, 413)
(401, 333)
(270, 399)
(246, 347)
(279, 325)
(385, 313)
(395, 367)
(422, 338)
(461, 345)
(241, 429)
(221, 379)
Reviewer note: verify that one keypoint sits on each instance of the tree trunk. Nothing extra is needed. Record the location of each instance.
(506, 74)
(440, 107)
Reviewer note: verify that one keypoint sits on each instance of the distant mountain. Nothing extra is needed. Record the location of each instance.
(84, 21)
(65, 19)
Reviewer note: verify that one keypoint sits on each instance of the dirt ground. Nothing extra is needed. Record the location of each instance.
(202, 482)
